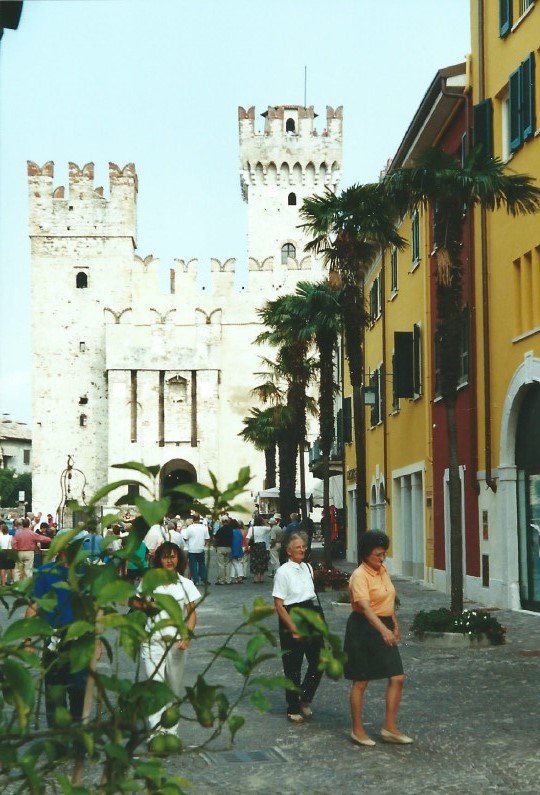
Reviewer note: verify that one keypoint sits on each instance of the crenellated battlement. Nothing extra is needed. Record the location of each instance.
(85, 211)
(290, 152)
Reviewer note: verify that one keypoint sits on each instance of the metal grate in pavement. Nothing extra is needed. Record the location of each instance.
(270, 755)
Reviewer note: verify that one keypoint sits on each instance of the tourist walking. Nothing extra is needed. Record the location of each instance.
(25, 542)
(294, 587)
(196, 536)
(259, 544)
(371, 639)
(164, 654)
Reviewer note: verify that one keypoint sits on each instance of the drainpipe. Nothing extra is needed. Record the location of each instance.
(490, 482)
(385, 381)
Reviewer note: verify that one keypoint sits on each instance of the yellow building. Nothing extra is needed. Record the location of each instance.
(505, 94)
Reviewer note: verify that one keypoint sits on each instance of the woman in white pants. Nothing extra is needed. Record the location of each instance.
(164, 655)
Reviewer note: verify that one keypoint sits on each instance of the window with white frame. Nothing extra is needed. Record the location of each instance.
(415, 237)
(393, 270)
(375, 299)
(376, 383)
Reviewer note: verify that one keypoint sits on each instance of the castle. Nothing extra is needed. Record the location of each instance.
(125, 372)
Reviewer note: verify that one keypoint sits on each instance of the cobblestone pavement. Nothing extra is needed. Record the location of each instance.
(473, 714)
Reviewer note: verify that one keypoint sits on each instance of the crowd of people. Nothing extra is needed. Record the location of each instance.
(265, 545)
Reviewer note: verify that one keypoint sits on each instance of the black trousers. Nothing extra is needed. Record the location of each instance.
(61, 684)
(293, 658)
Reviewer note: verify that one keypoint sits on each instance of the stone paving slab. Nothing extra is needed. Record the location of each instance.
(473, 714)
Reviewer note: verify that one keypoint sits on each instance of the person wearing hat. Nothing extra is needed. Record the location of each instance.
(276, 536)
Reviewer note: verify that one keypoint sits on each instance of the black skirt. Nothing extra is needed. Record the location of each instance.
(368, 656)
(259, 557)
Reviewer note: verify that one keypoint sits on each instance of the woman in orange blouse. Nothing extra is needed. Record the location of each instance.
(371, 639)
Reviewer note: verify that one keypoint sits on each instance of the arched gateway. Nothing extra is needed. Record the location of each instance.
(177, 473)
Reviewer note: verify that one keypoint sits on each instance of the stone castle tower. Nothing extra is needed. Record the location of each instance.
(125, 372)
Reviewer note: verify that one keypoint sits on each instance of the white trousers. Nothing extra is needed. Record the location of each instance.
(164, 666)
(24, 567)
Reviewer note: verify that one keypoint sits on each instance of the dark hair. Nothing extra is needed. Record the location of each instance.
(370, 540)
(165, 549)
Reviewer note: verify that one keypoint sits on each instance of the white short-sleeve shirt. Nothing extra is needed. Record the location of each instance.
(184, 592)
(293, 583)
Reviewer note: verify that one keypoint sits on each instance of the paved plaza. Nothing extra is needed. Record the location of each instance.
(473, 714)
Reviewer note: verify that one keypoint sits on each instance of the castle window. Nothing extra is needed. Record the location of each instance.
(290, 126)
(82, 347)
(288, 250)
(291, 201)
(81, 279)
(83, 420)
(26, 456)
(83, 400)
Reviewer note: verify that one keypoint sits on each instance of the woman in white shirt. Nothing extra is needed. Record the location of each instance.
(294, 587)
(164, 654)
(259, 546)
(6, 562)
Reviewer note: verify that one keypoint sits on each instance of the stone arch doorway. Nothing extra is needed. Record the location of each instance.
(177, 473)
(528, 497)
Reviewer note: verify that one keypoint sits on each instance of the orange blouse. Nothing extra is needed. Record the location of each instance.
(374, 587)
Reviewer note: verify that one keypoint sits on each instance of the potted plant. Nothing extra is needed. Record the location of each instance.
(329, 579)
(471, 628)
(342, 603)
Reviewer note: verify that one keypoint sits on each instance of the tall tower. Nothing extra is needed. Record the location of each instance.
(280, 166)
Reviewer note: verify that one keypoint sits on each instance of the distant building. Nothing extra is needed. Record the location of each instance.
(130, 373)
(15, 446)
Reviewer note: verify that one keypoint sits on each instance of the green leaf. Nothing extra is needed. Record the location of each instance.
(273, 682)
(260, 701)
(18, 688)
(117, 484)
(253, 646)
(115, 591)
(235, 723)
(169, 603)
(228, 653)
(155, 577)
(26, 628)
(118, 752)
(150, 472)
(81, 652)
(196, 490)
(153, 511)
(78, 629)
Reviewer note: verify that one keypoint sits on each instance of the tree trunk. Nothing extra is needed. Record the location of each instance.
(302, 469)
(325, 520)
(270, 467)
(287, 476)
(456, 525)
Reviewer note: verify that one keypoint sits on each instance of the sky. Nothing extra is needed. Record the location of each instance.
(159, 82)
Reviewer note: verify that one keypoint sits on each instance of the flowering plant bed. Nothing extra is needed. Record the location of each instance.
(331, 579)
(474, 623)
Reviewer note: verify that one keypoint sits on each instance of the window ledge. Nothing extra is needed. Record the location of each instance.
(526, 334)
(415, 265)
(393, 295)
(525, 14)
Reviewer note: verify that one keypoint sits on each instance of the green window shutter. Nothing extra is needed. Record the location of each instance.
(417, 360)
(514, 101)
(505, 17)
(403, 364)
(528, 122)
(347, 420)
(339, 431)
(483, 126)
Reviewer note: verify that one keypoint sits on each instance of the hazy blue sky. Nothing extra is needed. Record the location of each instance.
(158, 82)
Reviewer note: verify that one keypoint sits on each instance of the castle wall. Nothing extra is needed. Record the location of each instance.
(124, 371)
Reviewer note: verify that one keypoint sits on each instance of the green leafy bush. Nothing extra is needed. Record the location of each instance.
(469, 622)
(113, 734)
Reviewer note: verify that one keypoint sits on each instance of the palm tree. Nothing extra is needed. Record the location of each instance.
(294, 368)
(315, 311)
(260, 429)
(348, 231)
(453, 189)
